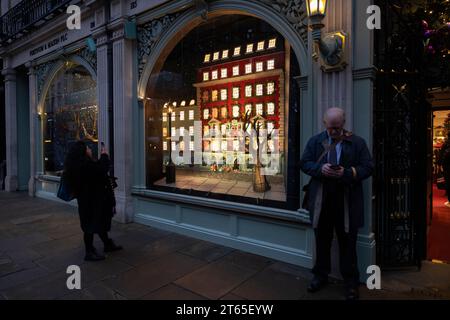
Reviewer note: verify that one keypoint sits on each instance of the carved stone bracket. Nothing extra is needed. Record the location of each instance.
(295, 12)
(148, 36)
(89, 56)
(42, 71)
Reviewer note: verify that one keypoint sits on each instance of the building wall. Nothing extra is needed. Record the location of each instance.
(122, 72)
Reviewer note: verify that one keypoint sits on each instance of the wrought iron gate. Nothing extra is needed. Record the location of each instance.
(400, 133)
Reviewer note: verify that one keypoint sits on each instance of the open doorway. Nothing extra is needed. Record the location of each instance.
(438, 236)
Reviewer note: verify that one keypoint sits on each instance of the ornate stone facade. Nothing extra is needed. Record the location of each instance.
(148, 36)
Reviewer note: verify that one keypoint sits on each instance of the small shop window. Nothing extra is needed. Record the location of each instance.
(214, 95)
(236, 92)
(248, 68)
(259, 66)
(259, 90)
(236, 111)
(235, 71)
(270, 88)
(225, 54)
(248, 109)
(270, 108)
(259, 109)
(224, 112)
(260, 46)
(223, 94)
(224, 73)
(248, 91)
(215, 113)
(272, 43)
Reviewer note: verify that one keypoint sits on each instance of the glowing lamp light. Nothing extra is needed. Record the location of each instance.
(316, 7)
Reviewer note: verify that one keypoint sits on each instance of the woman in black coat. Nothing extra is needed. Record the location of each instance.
(88, 180)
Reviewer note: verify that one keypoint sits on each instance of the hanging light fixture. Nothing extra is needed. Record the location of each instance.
(331, 47)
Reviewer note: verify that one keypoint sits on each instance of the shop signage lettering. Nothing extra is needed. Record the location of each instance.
(49, 44)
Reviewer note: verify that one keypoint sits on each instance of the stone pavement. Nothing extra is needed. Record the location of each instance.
(39, 239)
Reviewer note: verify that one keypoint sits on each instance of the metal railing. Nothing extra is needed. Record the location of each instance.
(28, 15)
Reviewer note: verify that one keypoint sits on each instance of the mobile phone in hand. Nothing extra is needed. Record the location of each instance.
(335, 167)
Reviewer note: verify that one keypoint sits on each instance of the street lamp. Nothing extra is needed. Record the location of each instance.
(170, 167)
(331, 46)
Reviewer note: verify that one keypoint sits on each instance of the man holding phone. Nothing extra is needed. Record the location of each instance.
(337, 162)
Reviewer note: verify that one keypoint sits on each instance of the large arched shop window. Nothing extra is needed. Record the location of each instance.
(70, 114)
(204, 101)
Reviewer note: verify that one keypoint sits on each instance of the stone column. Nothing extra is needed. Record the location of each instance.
(11, 129)
(103, 74)
(33, 128)
(364, 74)
(123, 126)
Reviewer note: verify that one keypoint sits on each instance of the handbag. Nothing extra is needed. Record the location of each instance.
(64, 192)
(307, 187)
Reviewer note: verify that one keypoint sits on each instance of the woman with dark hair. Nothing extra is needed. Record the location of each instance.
(88, 180)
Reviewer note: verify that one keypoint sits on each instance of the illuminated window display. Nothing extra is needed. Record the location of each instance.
(70, 114)
(238, 87)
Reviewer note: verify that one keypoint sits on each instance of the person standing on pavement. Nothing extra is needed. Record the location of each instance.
(337, 161)
(89, 181)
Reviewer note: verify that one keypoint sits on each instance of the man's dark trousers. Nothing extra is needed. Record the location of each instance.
(332, 218)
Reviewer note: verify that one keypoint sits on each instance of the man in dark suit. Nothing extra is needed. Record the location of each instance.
(337, 162)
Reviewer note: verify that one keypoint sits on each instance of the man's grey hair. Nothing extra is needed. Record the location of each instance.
(334, 112)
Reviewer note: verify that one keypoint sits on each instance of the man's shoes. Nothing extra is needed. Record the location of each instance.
(317, 283)
(351, 293)
(93, 255)
(111, 246)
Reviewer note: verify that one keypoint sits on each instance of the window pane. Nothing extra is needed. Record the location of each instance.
(259, 66)
(248, 68)
(259, 90)
(235, 111)
(270, 88)
(218, 109)
(224, 73)
(236, 92)
(70, 114)
(223, 94)
(248, 91)
(235, 71)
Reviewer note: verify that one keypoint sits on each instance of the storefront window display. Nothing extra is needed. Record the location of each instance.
(238, 85)
(70, 114)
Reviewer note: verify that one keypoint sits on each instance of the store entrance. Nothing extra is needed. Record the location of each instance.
(438, 235)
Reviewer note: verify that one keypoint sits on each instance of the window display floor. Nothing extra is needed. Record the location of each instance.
(225, 186)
